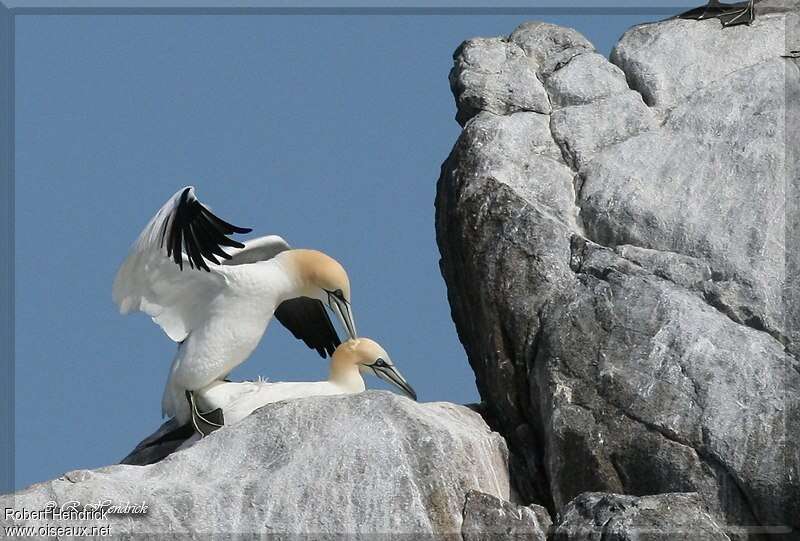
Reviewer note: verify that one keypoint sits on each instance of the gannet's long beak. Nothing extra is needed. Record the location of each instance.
(390, 374)
(343, 310)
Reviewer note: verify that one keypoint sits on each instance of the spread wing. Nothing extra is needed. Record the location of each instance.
(308, 321)
(166, 274)
(174, 271)
(306, 318)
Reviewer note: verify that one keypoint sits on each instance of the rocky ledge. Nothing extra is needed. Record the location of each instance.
(620, 246)
(366, 464)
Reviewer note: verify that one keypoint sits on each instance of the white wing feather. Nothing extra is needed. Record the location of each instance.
(151, 282)
(256, 250)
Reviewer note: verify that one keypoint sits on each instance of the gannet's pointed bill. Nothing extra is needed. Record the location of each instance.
(384, 369)
(341, 307)
(370, 357)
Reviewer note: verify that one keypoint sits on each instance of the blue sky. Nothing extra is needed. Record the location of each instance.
(327, 130)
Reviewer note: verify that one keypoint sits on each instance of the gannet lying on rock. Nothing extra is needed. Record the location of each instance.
(236, 400)
(227, 403)
(217, 304)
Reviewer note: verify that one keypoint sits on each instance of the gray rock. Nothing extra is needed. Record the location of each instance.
(503, 75)
(711, 185)
(648, 345)
(541, 41)
(657, 391)
(495, 75)
(515, 149)
(595, 516)
(584, 79)
(505, 212)
(357, 465)
(792, 212)
(487, 517)
(671, 60)
(686, 271)
(584, 130)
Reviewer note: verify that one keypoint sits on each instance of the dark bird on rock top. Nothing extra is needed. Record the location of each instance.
(729, 14)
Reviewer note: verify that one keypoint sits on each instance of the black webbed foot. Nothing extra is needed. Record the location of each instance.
(204, 422)
(738, 15)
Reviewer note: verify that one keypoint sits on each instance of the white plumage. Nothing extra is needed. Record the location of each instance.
(238, 399)
(217, 304)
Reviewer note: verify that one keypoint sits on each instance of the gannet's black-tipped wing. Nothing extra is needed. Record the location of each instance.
(306, 318)
(191, 229)
(152, 278)
(308, 321)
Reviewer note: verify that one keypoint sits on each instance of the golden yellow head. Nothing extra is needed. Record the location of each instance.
(368, 356)
(323, 278)
(361, 351)
(320, 270)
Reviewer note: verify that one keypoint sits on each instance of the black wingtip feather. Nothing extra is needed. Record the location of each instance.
(212, 238)
(202, 243)
(194, 230)
(176, 247)
(192, 250)
(222, 224)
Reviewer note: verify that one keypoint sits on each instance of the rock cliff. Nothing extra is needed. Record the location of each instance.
(620, 244)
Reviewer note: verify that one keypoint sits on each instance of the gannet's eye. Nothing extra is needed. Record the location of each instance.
(338, 294)
(381, 363)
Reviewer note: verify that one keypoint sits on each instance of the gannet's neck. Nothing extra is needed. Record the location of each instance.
(347, 376)
(293, 278)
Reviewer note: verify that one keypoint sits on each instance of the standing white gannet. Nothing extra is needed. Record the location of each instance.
(228, 402)
(218, 309)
